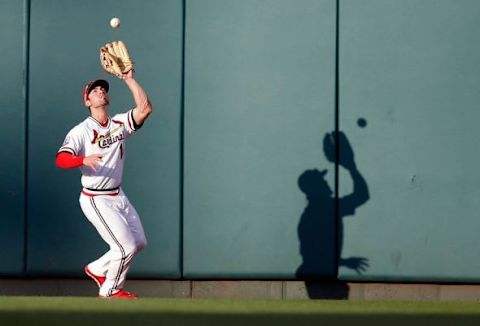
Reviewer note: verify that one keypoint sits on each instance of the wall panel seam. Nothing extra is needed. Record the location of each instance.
(26, 59)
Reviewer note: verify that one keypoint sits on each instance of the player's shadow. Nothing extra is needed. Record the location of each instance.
(320, 230)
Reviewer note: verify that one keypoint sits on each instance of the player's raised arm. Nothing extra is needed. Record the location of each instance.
(115, 60)
(143, 107)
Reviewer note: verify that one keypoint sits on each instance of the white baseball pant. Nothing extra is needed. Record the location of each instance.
(119, 225)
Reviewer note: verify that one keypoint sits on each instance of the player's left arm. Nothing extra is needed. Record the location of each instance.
(143, 107)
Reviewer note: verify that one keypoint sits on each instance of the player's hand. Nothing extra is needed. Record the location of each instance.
(92, 161)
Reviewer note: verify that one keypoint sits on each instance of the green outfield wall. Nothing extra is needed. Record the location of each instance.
(60, 239)
(241, 173)
(13, 99)
(410, 69)
(259, 95)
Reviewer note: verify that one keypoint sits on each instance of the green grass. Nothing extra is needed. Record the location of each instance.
(71, 311)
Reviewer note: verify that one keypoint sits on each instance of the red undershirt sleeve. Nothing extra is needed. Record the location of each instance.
(66, 160)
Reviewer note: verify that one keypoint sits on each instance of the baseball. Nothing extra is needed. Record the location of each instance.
(115, 22)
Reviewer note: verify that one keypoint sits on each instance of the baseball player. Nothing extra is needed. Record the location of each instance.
(97, 147)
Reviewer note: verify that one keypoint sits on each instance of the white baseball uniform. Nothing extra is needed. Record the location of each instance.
(102, 199)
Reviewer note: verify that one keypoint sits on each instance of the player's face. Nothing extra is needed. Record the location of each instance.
(98, 97)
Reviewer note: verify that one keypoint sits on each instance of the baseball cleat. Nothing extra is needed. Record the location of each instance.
(98, 279)
(121, 294)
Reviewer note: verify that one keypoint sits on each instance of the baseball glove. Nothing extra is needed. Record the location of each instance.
(115, 60)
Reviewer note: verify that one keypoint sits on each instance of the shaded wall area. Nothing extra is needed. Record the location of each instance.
(12, 136)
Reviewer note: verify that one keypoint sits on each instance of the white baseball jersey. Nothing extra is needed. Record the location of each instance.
(90, 137)
(102, 199)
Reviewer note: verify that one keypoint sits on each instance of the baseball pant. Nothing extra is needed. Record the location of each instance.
(119, 225)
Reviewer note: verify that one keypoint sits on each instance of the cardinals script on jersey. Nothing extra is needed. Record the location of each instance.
(90, 137)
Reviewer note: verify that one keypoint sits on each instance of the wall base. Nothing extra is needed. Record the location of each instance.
(279, 290)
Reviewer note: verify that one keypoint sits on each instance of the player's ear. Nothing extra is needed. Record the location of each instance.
(87, 103)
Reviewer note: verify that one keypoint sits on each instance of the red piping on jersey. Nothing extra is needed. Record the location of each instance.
(93, 195)
(66, 149)
(66, 160)
(99, 192)
(103, 125)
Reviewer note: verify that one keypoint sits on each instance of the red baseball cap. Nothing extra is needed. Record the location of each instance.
(91, 85)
